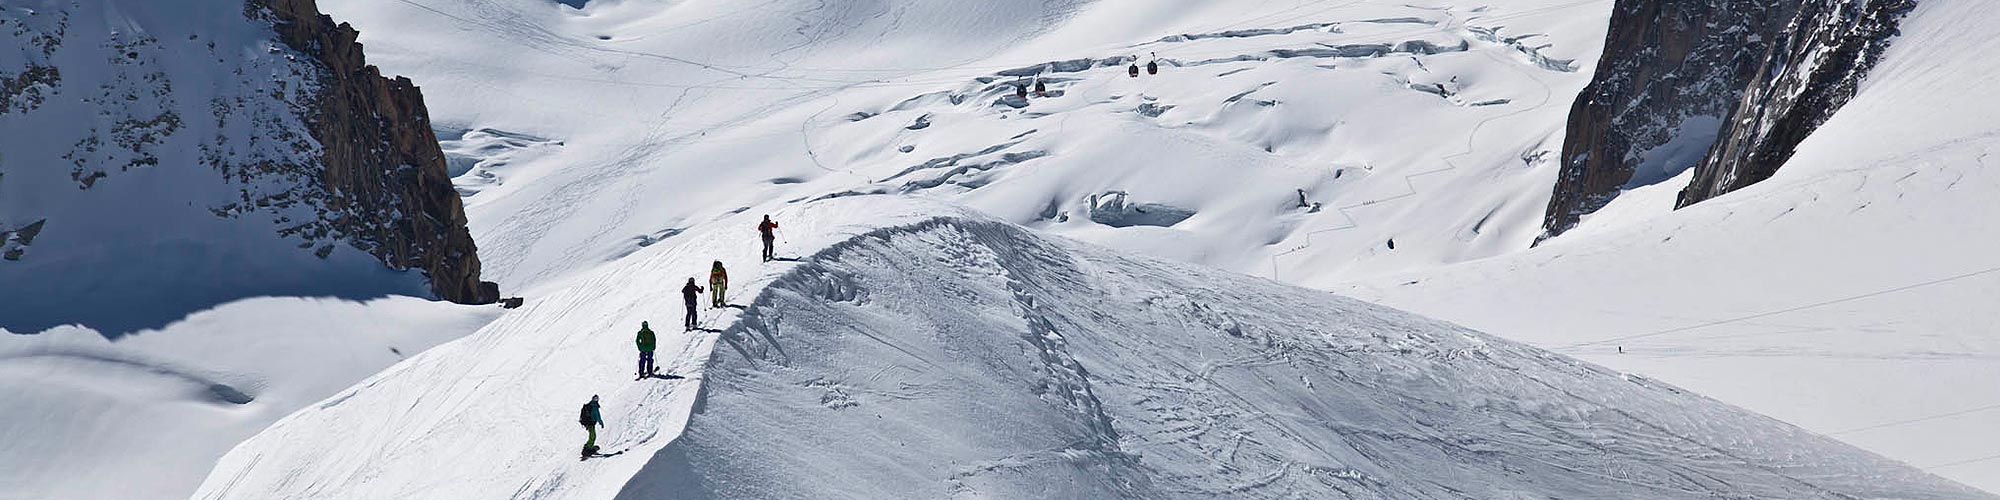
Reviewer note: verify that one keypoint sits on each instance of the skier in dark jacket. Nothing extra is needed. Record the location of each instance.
(766, 229)
(591, 420)
(688, 294)
(647, 341)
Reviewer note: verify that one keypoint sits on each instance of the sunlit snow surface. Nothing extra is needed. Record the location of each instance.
(612, 151)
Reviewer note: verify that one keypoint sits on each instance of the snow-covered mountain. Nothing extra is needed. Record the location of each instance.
(161, 158)
(977, 304)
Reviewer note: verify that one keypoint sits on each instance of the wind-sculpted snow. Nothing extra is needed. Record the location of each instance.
(478, 159)
(965, 358)
(949, 354)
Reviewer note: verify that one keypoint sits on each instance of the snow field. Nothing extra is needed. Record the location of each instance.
(146, 415)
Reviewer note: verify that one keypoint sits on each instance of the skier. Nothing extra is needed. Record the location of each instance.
(646, 343)
(718, 280)
(1041, 90)
(766, 229)
(591, 419)
(688, 293)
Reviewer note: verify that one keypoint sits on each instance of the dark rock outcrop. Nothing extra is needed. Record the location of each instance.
(1812, 70)
(1766, 74)
(384, 172)
(1664, 61)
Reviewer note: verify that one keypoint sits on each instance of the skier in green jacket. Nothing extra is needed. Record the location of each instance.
(718, 280)
(647, 341)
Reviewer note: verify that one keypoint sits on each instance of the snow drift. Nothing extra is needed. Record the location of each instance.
(145, 415)
(950, 354)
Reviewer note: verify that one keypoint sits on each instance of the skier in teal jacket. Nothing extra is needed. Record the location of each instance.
(591, 419)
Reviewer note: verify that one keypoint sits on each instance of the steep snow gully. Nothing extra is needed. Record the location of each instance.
(937, 353)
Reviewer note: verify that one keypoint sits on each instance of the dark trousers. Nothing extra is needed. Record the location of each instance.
(645, 362)
(768, 252)
(690, 318)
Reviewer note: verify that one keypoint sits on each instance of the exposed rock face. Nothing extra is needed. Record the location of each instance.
(385, 174)
(160, 158)
(1812, 70)
(1665, 61)
(1741, 80)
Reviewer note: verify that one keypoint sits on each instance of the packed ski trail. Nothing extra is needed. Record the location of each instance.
(499, 406)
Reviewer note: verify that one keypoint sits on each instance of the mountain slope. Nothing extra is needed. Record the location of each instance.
(951, 356)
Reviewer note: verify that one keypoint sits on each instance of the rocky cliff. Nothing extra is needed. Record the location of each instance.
(385, 174)
(1727, 87)
(159, 158)
(1671, 70)
(1812, 69)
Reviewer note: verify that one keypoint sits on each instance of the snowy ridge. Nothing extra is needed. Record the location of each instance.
(940, 356)
(500, 405)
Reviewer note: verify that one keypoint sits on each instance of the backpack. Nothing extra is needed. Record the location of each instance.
(585, 418)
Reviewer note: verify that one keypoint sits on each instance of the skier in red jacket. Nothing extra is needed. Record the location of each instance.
(767, 230)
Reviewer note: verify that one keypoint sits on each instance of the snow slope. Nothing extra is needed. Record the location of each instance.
(949, 355)
(145, 415)
(1849, 294)
(523, 378)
